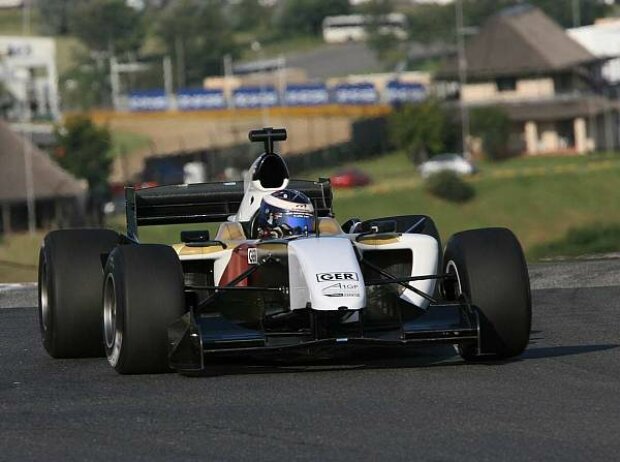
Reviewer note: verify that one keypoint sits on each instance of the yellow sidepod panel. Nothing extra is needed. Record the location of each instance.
(380, 239)
(183, 250)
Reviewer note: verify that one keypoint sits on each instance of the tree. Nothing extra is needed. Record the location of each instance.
(107, 25)
(250, 15)
(197, 35)
(55, 15)
(431, 23)
(84, 150)
(305, 17)
(492, 125)
(386, 45)
(86, 85)
(419, 129)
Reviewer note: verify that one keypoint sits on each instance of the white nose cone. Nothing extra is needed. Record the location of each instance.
(325, 273)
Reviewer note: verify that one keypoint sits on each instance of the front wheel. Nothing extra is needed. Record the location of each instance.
(490, 273)
(143, 293)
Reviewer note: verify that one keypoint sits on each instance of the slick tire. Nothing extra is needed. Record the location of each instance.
(491, 274)
(143, 293)
(70, 284)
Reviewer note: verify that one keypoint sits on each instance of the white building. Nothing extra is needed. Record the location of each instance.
(602, 40)
(28, 72)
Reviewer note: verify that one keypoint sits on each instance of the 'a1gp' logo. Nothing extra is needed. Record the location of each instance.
(328, 277)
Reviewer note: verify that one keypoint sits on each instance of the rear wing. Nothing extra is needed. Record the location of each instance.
(206, 202)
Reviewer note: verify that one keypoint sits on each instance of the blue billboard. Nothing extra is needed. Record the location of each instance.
(148, 100)
(404, 92)
(195, 99)
(306, 95)
(355, 93)
(253, 97)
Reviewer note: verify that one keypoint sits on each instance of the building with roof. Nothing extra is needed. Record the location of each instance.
(602, 39)
(551, 87)
(58, 196)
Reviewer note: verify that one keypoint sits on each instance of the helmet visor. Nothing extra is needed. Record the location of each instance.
(297, 223)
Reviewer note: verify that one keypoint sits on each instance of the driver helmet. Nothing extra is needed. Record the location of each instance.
(285, 213)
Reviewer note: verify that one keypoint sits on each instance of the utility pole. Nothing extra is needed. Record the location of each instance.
(258, 49)
(462, 70)
(282, 78)
(576, 13)
(26, 16)
(26, 137)
(168, 84)
(228, 73)
(179, 49)
(115, 83)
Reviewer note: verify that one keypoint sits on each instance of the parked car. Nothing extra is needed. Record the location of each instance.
(447, 162)
(350, 178)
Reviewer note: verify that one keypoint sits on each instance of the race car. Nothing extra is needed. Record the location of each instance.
(281, 279)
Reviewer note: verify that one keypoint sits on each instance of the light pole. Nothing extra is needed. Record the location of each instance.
(462, 70)
(258, 49)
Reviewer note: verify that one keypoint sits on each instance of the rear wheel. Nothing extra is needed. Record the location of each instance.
(489, 272)
(70, 282)
(142, 295)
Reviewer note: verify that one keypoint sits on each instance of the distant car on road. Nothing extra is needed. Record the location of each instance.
(447, 162)
(350, 178)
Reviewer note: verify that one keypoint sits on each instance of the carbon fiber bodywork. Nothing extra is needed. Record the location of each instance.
(194, 340)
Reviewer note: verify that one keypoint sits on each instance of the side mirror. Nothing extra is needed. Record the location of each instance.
(387, 226)
(351, 226)
(189, 237)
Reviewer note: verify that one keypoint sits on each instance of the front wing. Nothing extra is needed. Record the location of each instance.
(196, 338)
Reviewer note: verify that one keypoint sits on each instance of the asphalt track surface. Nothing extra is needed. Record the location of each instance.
(559, 401)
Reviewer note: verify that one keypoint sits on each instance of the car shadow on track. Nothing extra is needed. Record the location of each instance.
(564, 350)
(431, 358)
(385, 359)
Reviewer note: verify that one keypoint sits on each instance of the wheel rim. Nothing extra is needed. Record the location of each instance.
(112, 332)
(457, 288)
(44, 299)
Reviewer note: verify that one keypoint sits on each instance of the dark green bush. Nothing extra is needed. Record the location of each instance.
(492, 125)
(596, 238)
(450, 186)
(419, 129)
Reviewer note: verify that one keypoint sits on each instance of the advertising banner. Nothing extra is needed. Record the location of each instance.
(253, 97)
(195, 99)
(148, 100)
(404, 92)
(355, 93)
(306, 95)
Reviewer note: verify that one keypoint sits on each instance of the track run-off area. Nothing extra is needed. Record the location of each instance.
(558, 401)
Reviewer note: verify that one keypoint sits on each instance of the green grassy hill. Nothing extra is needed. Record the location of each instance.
(555, 205)
(540, 199)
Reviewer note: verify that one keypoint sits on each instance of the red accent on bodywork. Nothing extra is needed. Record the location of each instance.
(238, 264)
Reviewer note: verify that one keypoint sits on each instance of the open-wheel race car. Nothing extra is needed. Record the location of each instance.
(281, 279)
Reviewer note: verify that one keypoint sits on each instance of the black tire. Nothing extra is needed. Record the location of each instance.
(70, 284)
(492, 275)
(143, 294)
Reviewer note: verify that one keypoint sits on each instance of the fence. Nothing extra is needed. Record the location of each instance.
(368, 139)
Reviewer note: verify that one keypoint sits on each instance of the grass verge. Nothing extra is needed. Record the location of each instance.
(594, 239)
(19, 257)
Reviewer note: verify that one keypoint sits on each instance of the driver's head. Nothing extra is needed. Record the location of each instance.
(285, 213)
